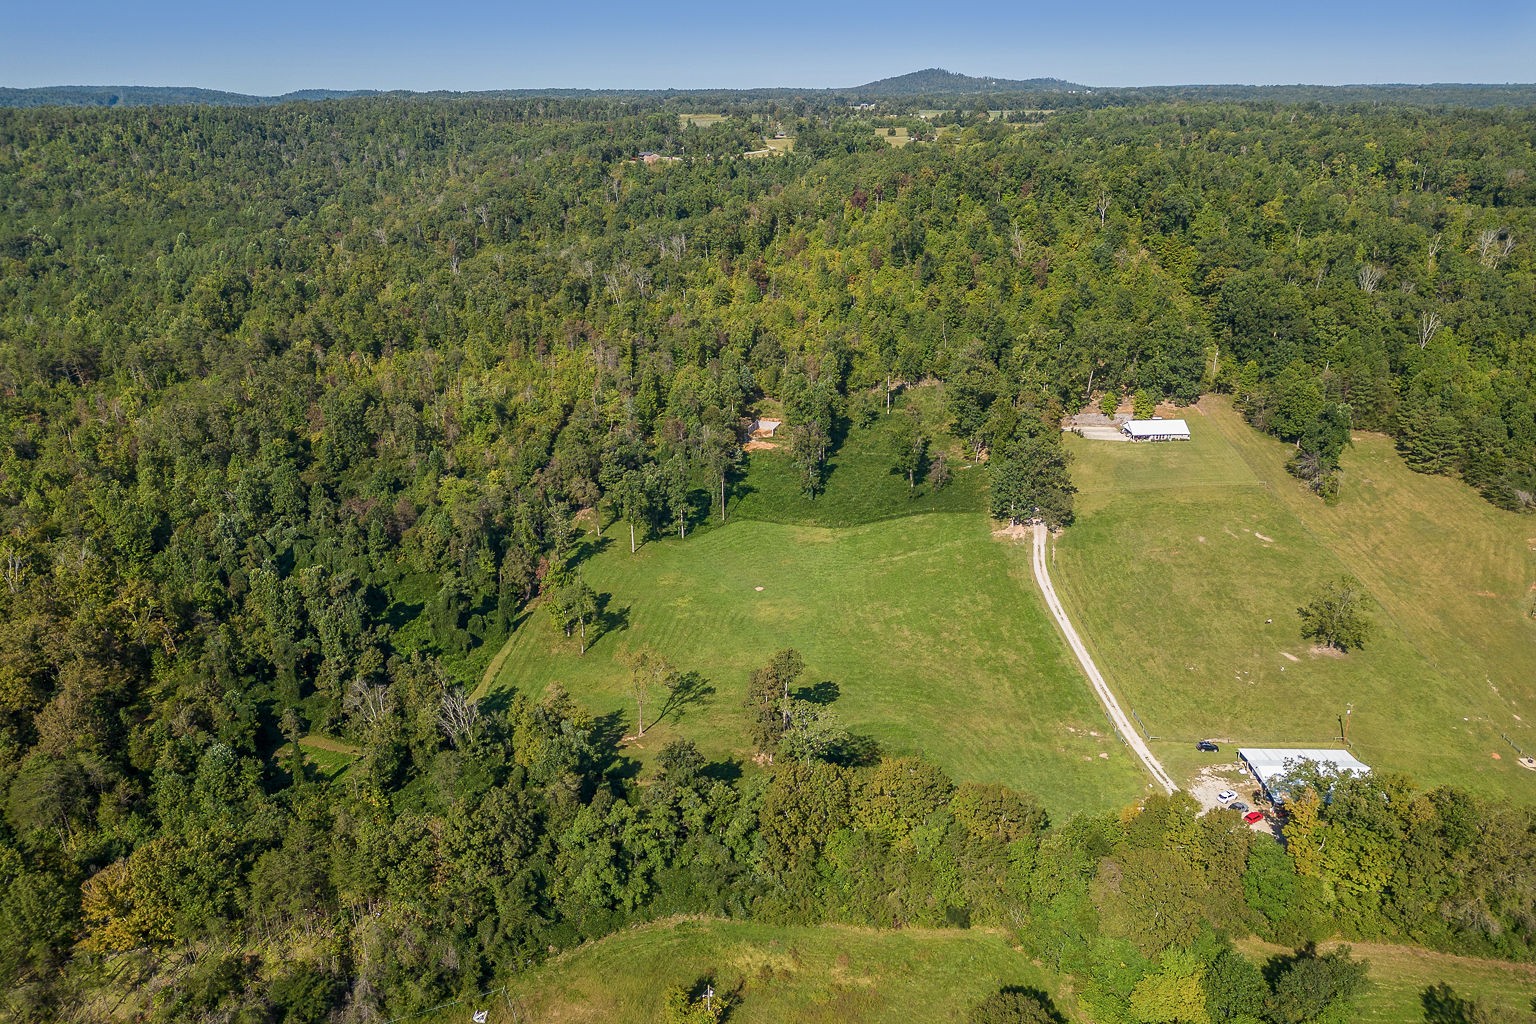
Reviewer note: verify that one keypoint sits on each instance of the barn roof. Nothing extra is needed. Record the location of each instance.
(1156, 428)
(1276, 764)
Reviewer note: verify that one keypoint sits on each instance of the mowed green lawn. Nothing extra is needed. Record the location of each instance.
(1187, 564)
(929, 627)
(773, 975)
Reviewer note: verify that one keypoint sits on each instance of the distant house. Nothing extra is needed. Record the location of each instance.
(1156, 430)
(765, 428)
(1274, 768)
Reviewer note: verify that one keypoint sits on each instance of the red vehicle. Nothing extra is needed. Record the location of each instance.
(1253, 817)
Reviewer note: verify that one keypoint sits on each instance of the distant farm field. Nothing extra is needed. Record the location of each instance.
(1188, 562)
(701, 120)
(1400, 975)
(772, 975)
(793, 974)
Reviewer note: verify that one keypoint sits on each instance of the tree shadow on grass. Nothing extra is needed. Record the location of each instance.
(727, 771)
(587, 546)
(1443, 1006)
(498, 701)
(858, 751)
(824, 692)
(609, 619)
(686, 690)
(606, 735)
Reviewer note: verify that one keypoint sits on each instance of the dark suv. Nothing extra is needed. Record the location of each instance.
(1207, 746)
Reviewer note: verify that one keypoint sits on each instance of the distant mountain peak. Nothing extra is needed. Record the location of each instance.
(938, 81)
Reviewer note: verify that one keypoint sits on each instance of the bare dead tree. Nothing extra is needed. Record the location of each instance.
(1507, 248)
(1429, 323)
(1487, 241)
(1370, 276)
(640, 278)
(457, 716)
(14, 567)
(367, 704)
(1434, 251)
(1102, 207)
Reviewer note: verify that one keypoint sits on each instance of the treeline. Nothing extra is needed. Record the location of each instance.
(463, 847)
(922, 90)
(303, 406)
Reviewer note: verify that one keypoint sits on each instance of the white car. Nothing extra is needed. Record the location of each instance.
(1226, 796)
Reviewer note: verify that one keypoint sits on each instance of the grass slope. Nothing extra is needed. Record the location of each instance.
(931, 629)
(861, 487)
(774, 975)
(1399, 976)
(783, 974)
(1183, 552)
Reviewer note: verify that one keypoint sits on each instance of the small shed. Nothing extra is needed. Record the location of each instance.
(1274, 766)
(1156, 430)
(764, 427)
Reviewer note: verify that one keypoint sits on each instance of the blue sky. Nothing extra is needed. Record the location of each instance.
(280, 45)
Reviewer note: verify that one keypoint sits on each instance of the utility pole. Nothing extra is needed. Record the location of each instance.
(1348, 710)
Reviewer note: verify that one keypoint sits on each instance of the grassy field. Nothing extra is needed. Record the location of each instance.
(1188, 562)
(330, 757)
(1399, 975)
(929, 627)
(702, 120)
(773, 975)
(788, 975)
(897, 137)
(861, 488)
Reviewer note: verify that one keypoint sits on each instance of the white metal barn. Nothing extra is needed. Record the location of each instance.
(1156, 430)
(1273, 766)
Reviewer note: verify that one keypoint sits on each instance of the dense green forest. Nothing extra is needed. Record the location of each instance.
(303, 406)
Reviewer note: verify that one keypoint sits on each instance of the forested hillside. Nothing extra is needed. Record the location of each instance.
(302, 406)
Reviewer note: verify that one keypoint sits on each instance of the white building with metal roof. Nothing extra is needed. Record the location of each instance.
(1156, 430)
(1274, 766)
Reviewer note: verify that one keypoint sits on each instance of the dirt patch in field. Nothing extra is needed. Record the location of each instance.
(1289, 655)
(1017, 532)
(756, 445)
(1214, 778)
(1100, 433)
(1323, 651)
(1266, 540)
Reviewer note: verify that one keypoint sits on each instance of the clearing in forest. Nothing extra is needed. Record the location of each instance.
(930, 633)
(1187, 564)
